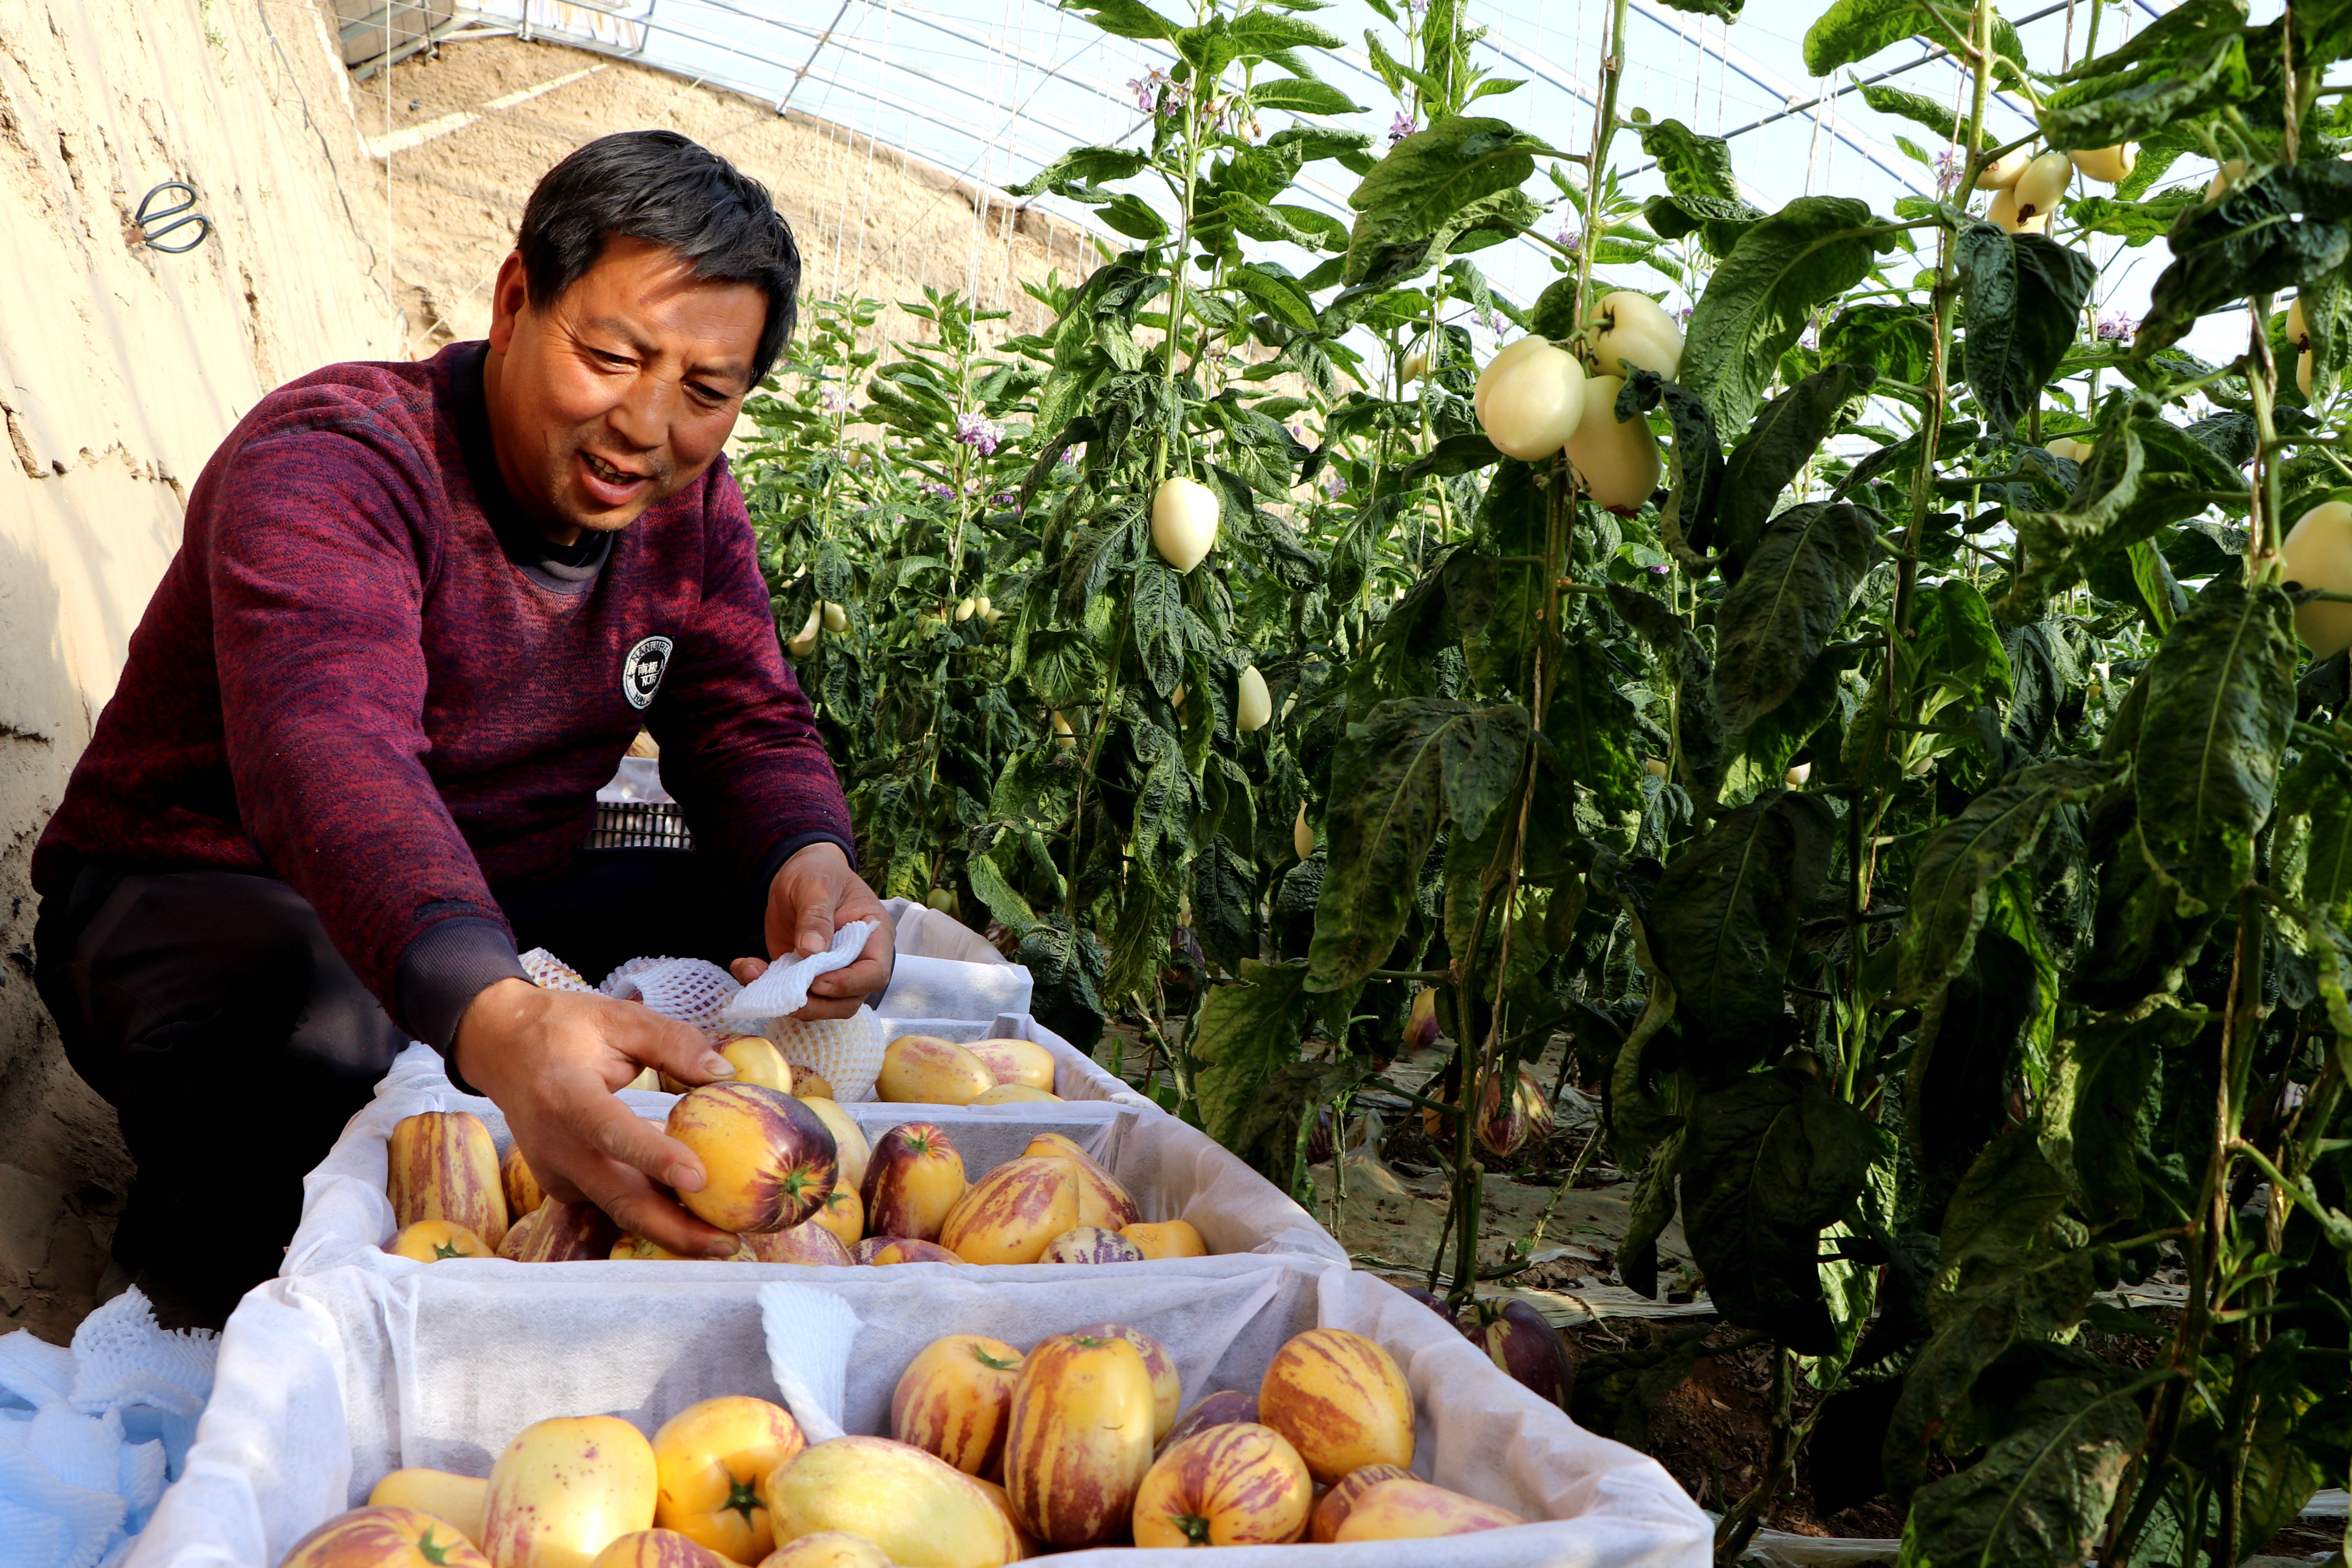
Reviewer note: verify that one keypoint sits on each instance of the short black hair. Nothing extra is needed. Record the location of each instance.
(671, 191)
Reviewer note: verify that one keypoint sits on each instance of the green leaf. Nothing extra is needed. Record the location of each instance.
(2285, 225)
(1277, 294)
(2188, 62)
(1787, 433)
(1951, 887)
(992, 888)
(1158, 609)
(1786, 607)
(1066, 965)
(2024, 301)
(1939, 118)
(2221, 702)
(1410, 763)
(1724, 917)
(1854, 30)
(1892, 339)
(1224, 905)
(1125, 18)
(1244, 1034)
(1591, 727)
(1955, 654)
(1429, 177)
(2040, 1495)
(1302, 96)
(2115, 1062)
(1139, 942)
(1783, 270)
(2315, 853)
(1082, 166)
(1694, 463)
(1766, 1163)
(2134, 223)
(1691, 164)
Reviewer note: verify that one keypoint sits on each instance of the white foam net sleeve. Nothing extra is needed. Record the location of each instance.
(846, 1052)
(551, 973)
(691, 990)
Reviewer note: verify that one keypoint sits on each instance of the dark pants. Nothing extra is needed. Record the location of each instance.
(234, 1041)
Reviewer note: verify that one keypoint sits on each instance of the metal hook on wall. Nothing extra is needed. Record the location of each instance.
(178, 216)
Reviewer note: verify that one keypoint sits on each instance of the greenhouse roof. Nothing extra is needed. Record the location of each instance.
(994, 90)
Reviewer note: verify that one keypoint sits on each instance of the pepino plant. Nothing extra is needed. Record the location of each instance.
(1891, 721)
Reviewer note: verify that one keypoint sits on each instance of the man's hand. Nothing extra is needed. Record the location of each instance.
(552, 1060)
(815, 893)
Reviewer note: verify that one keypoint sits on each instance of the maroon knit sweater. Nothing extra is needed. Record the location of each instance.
(346, 681)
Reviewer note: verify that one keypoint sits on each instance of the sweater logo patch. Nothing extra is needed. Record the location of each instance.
(642, 670)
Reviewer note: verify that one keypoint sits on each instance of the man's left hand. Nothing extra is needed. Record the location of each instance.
(813, 894)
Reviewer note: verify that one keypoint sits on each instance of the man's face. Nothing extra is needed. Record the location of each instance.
(620, 392)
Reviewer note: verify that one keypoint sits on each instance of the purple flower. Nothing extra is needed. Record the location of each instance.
(1401, 126)
(1004, 498)
(1154, 91)
(2115, 327)
(932, 487)
(1812, 336)
(973, 430)
(1070, 458)
(1659, 569)
(833, 400)
(1333, 485)
(1570, 240)
(1684, 315)
(1947, 170)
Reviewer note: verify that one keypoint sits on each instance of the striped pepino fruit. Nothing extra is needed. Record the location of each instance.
(1236, 1485)
(919, 1508)
(443, 1164)
(953, 1400)
(384, 1537)
(1167, 1393)
(1014, 1212)
(565, 1489)
(1410, 1509)
(1101, 1200)
(1079, 1439)
(1341, 1400)
(557, 1232)
(1332, 1512)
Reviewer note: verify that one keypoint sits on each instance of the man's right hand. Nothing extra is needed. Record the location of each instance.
(551, 1060)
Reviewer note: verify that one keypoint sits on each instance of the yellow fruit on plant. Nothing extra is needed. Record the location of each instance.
(2108, 164)
(944, 900)
(1616, 459)
(828, 1548)
(1795, 777)
(1509, 354)
(1302, 837)
(767, 1159)
(657, 1549)
(1064, 736)
(1167, 1239)
(443, 1164)
(2318, 554)
(1252, 706)
(966, 609)
(566, 1489)
(432, 1240)
(2298, 330)
(850, 1149)
(2068, 447)
(1015, 1060)
(2004, 212)
(1184, 521)
(1531, 404)
(987, 610)
(1415, 368)
(1341, 1400)
(919, 1510)
(2228, 175)
(953, 1401)
(2003, 170)
(1630, 328)
(709, 1458)
(1078, 1440)
(444, 1495)
(1009, 1215)
(923, 1069)
(1018, 1094)
(803, 644)
(2039, 188)
(836, 618)
(1240, 1484)
(2303, 372)
(384, 1538)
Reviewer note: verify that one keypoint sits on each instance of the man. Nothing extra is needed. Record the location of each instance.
(418, 614)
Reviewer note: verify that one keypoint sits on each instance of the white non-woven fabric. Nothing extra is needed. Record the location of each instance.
(782, 988)
(329, 1382)
(1174, 1170)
